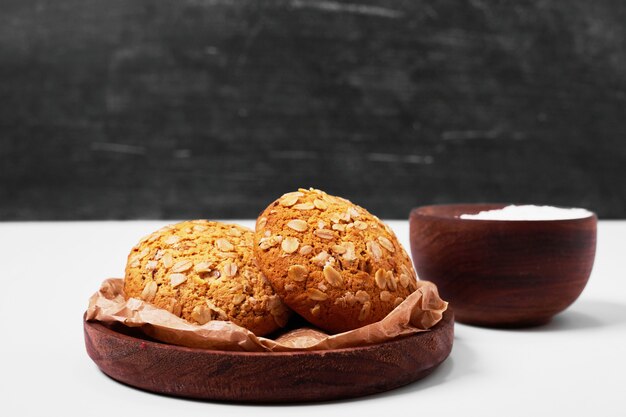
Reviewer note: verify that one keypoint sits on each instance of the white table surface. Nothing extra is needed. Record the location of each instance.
(574, 366)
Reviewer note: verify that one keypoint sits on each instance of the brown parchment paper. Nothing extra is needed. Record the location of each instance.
(417, 313)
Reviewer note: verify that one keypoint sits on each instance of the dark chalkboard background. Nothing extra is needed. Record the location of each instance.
(212, 108)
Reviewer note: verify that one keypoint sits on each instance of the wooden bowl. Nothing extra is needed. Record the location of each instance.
(126, 355)
(502, 273)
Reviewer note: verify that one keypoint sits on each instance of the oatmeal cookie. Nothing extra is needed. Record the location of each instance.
(201, 271)
(332, 261)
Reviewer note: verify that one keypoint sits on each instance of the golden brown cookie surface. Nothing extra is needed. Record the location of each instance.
(332, 261)
(201, 271)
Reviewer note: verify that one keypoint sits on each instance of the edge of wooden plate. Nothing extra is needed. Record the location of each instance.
(267, 377)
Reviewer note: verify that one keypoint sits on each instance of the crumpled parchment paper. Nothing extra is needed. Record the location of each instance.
(419, 312)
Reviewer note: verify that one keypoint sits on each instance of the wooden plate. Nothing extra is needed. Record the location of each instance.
(127, 356)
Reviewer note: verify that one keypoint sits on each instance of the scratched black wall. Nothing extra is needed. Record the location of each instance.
(212, 108)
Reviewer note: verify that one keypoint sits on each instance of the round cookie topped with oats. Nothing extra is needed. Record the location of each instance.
(201, 270)
(331, 261)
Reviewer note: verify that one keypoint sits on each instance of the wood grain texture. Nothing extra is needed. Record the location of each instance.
(267, 377)
(502, 273)
(211, 108)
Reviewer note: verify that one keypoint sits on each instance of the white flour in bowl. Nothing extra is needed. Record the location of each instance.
(529, 212)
